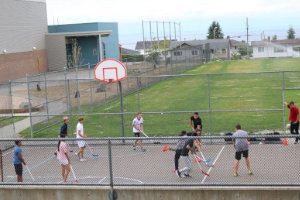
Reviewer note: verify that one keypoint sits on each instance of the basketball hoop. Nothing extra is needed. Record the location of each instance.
(110, 71)
(109, 80)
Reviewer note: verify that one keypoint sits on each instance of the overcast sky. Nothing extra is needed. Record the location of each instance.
(195, 16)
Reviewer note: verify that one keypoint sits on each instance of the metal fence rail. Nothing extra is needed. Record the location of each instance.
(113, 162)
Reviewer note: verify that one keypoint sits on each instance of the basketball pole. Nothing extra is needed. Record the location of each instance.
(122, 111)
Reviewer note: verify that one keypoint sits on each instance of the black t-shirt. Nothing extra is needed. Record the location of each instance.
(185, 151)
(196, 122)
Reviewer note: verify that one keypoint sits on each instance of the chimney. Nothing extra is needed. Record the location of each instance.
(269, 39)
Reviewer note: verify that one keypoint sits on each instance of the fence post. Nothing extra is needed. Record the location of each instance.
(91, 92)
(70, 107)
(12, 107)
(209, 109)
(77, 92)
(29, 106)
(46, 96)
(122, 110)
(283, 100)
(112, 193)
(138, 92)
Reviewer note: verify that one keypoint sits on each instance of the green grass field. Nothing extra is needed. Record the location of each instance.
(190, 93)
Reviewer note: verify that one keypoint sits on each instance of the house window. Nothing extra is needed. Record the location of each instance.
(297, 49)
(194, 52)
(218, 51)
(261, 49)
(177, 53)
(279, 49)
(104, 50)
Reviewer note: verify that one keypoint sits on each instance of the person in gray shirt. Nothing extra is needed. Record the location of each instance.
(241, 147)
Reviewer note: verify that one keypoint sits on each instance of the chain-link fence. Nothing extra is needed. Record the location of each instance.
(113, 161)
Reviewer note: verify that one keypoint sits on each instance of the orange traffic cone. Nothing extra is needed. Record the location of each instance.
(197, 159)
(285, 142)
(166, 148)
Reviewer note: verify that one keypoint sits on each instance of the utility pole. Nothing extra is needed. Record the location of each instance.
(247, 36)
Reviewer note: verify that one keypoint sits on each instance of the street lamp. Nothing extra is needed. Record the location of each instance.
(215, 32)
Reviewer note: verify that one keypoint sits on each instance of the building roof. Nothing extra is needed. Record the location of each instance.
(86, 33)
(129, 52)
(214, 43)
(276, 42)
(140, 44)
(235, 43)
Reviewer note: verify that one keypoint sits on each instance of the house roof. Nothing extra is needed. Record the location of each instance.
(276, 42)
(129, 52)
(235, 43)
(140, 44)
(86, 33)
(214, 43)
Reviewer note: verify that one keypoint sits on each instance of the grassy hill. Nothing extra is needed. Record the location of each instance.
(190, 93)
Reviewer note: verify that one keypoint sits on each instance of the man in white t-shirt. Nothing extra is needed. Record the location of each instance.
(81, 143)
(137, 125)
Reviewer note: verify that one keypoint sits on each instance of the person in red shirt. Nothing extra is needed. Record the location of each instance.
(294, 119)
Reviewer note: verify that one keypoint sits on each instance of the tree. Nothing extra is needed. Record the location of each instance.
(154, 54)
(274, 37)
(291, 33)
(218, 32)
(76, 59)
(243, 50)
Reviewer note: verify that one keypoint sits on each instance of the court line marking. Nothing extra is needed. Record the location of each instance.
(209, 170)
(33, 167)
(102, 179)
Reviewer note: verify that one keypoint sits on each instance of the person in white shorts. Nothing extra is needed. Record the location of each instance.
(63, 157)
(137, 125)
(81, 143)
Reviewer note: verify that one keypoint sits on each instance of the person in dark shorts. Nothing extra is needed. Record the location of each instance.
(241, 148)
(188, 146)
(294, 119)
(18, 160)
(195, 122)
(137, 125)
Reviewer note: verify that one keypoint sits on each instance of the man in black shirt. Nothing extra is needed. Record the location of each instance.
(64, 128)
(185, 157)
(196, 120)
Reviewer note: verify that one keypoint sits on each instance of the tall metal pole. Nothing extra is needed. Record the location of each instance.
(91, 89)
(151, 36)
(29, 106)
(209, 108)
(169, 47)
(143, 40)
(138, 92)
(283, 100)
(247, 36)
(46, 95)
(12, 107)
(112, 193)
(180, 31)
(165, 47)
(122, 110)
(175, 30)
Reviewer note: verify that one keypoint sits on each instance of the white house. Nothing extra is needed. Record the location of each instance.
(276, 48)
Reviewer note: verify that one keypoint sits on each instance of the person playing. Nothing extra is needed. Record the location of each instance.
(18, 160)
(81, 143)
(294, 119)
(188, 146)
(64, 128)
(137, 125)
(63, 157)
(196, 120)
(241, 147)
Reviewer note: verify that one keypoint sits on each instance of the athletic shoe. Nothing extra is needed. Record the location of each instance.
(178, 174)
(143, 149)
(187, 176)
(77, 154)
(250, 172)
(134, 148)
(174, 170)
(82, 160)
(235, 174)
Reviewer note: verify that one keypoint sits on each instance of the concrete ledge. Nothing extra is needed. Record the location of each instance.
(69, 192)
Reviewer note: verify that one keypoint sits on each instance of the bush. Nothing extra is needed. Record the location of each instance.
(133, 58)
(215, 59)
(246, 57)
(234, 56)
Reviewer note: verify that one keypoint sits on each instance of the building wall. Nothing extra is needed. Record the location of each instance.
(17, 65)
(57, 57)
(90, 43)
(23, 25)
(269, 52)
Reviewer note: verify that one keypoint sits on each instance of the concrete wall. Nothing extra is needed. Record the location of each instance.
(147, 193)
(57, 55)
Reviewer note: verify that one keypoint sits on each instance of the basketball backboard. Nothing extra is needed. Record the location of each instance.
(110, 71)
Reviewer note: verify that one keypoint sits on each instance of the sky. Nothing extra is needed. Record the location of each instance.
(195, 16)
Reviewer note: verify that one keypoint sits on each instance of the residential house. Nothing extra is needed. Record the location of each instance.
(234, 46)
(276, 48)
(143, 46)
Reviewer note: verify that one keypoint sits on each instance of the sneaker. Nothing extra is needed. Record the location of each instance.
(178, 174)
(82, 160)
(235, 174)
(174, 170)
(143, 149)
(134, 148)
(77, 154)
(55, 153)
(250, 172)
(187, 176)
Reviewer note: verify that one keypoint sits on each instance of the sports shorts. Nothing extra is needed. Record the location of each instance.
(238, 155)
